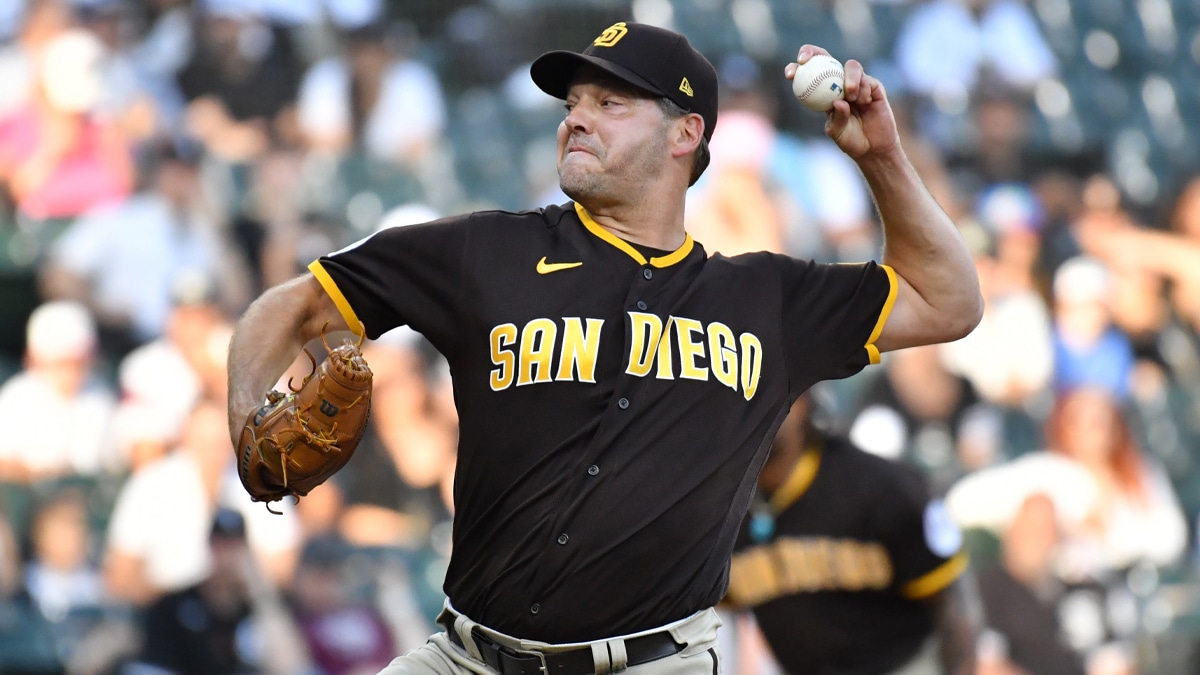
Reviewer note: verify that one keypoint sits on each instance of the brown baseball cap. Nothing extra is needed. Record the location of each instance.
(660, 61)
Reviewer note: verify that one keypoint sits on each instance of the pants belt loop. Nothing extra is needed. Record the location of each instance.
(600, 658)
(617, 655)
(463, 627)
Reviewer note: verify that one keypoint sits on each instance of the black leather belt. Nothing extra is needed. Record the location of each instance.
(506, 661)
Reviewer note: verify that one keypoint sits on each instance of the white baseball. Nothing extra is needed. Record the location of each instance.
(819, 82)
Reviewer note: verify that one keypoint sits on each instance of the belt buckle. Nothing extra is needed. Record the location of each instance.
(541, 657)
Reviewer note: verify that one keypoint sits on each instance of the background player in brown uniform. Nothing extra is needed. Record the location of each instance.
(617, 388)
(847, 564)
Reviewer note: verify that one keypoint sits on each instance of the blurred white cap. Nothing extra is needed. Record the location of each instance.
(1081, 279)
(70, 70)
(136, 422)
(351, 14)
(59, 330)
(407, 214)
(1010, 207)
(157, 375)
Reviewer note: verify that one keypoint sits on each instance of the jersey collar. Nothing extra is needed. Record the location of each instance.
(660, 261)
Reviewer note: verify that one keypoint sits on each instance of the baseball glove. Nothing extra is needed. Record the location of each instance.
(297, 441)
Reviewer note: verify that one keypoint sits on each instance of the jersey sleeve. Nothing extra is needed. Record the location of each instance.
(832, 316)
(400, 276)
(924, 543)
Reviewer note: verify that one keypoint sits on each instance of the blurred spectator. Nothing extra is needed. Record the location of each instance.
(1156, 283)
(230, 622)
(157, 533)
(768, 189)
(240, 82)
(917, 411)
(142, 434)
(57, 156)
(291, 236)
(61, 575)
(38, 24)
(66, 586)
(168, 376)
(994, 147)
(11, 14)
(379, 101)
(208, 355)
(57, 411)
(11, 575)
(1088, 349)
(157, 52)
(1184, 214)
(345, 635)
(128, 97)
(1115, 501)
(1019, 596)
(394, 490)
(1008, 357)
(1146, 267)
(733, 212)
(377, 96)
(1013, 215)
(1060, 192)
(166, 40)
(27, 640)
(127, 262)
(1136, 515)
(946, 46)
(320, 510)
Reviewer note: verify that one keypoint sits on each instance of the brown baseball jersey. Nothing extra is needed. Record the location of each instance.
(616, 403)
(839, 564)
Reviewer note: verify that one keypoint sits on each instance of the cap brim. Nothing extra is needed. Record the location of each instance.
(552, 72)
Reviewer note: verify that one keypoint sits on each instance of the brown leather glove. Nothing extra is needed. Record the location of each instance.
(297, 441)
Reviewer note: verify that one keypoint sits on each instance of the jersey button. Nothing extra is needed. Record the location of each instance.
(648, 274)
(535, 608)
(641, 304)
(593, 470)
(563, 539)
(623, 403)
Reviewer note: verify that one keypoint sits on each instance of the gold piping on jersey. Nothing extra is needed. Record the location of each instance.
(335, 294)
(872, 350)
(941, 577)
(661, 261)
(798, 481)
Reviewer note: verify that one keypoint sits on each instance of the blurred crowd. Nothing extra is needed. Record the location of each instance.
(163, 161)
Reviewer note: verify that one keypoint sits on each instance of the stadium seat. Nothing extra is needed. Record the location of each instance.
(1102, 100)
(801, 22)
(1109, 15)
(27, 645)
(488, 156)
(709, 26)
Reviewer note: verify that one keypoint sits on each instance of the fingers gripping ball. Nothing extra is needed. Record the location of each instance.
(819, 82)
(298, 440)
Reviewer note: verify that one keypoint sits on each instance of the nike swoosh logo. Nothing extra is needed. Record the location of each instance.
(544, 267)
